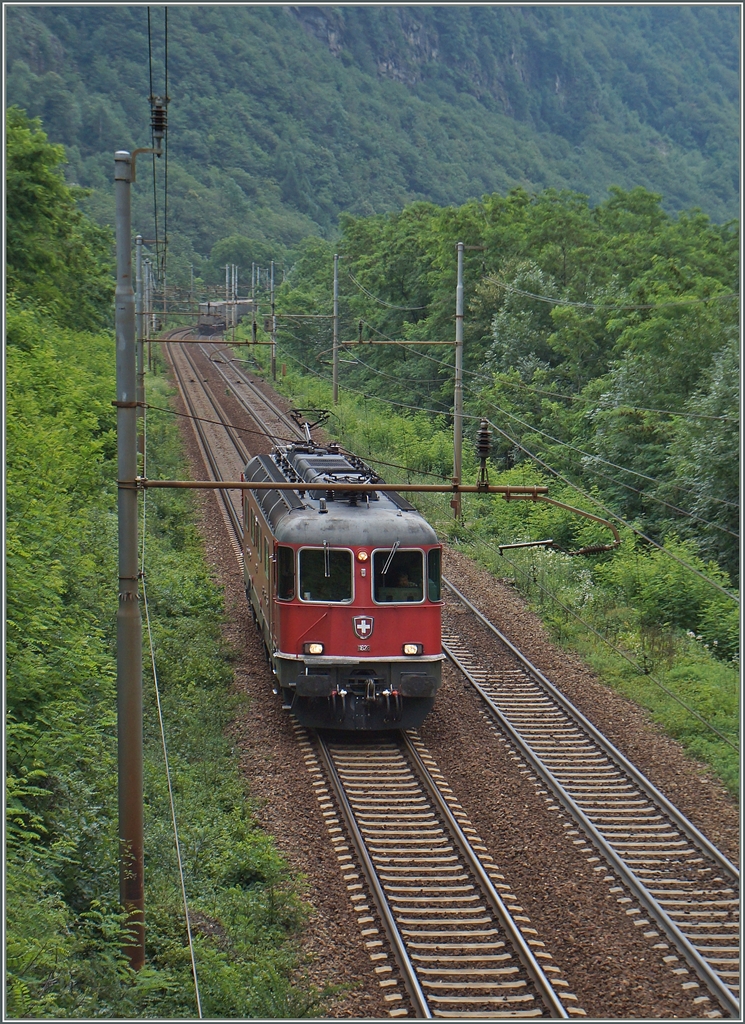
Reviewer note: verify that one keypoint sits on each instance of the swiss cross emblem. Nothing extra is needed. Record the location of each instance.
(363, 626)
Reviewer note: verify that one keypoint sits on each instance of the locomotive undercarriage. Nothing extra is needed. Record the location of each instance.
(361, 696)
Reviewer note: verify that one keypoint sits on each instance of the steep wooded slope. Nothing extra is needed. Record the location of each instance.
(281, 117)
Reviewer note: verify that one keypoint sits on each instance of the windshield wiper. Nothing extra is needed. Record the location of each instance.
(387, 565)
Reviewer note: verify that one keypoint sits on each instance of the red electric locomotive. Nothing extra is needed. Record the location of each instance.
(345, 588)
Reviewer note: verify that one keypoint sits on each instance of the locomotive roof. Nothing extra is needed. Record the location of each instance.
(350, 519)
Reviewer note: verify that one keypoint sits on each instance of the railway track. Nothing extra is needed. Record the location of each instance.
(219, 443)
(390, 802)
(273, 422)
(685, 886)
(452, 920)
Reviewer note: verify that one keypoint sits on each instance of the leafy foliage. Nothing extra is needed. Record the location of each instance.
(53, 253)
(602, 340)
(65, 929)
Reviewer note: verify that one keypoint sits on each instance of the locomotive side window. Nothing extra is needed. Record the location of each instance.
(266, 557)
(325, 574)
(433, 574)
(403, 579)
(285, 573)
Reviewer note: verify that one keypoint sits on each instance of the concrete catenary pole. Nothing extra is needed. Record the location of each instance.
(148, 313)
(140, 348)
(253, 302)
(458, 392)
(336, 329)
(274, 324)
(234, 289)
(129, 622)
(227, 296)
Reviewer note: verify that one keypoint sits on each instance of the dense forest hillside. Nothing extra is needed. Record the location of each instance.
(282, 117)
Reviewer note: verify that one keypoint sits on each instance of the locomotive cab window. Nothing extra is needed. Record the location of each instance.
(399, 578)
(325, 574)
(285, 573)
(433, 574)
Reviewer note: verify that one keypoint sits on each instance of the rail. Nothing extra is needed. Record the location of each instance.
(527, 718)
(450, 930)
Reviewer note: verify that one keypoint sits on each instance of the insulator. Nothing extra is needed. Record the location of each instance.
(158, 117)
(483, 441)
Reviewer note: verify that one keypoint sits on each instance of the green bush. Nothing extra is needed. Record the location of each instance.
(64, 926)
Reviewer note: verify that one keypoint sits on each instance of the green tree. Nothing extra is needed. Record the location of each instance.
(54, 254)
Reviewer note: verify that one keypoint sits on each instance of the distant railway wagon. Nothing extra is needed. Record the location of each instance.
(345, 588)
(214, 317)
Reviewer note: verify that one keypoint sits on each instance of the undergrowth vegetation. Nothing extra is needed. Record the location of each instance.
(64, 924)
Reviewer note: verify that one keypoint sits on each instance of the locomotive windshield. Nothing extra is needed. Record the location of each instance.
(403, 579)
(433, 574)
(325, 574)
(285, 573)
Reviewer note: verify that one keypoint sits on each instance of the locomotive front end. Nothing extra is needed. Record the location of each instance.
(359, 641)
(355, 618)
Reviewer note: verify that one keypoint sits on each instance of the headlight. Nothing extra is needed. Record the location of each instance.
(312, 648)
(362, 556)
(413, 648)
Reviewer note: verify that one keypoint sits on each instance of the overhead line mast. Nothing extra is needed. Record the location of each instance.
(129, 619)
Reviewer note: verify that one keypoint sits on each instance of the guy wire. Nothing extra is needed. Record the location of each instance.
(163, 735)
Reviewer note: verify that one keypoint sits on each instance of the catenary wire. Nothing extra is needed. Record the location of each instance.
(595, 458)
(391, 376)
(606, 462)
(590, 497)
(390, 305)
(578, 398)
(219, 423)
(593, 305)
(678, 487)
(541, 391)
(613, 514)
(288, 440)
(382, 373)
(661, 501)
(670, 412)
